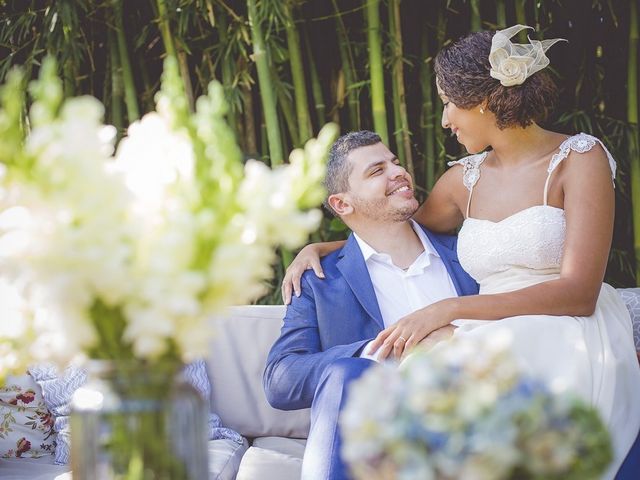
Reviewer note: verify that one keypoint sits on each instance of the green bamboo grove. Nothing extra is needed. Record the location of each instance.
(289, 66)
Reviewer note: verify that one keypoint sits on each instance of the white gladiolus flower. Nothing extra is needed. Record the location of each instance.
(152, 158)
(146, 244)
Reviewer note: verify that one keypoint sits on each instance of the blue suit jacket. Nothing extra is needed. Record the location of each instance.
(333, 318)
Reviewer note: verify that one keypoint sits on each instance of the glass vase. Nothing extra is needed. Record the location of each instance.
(134, 421)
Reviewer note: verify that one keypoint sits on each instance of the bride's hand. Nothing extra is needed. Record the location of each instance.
(307, 258)
(435, 337)
(398, 339)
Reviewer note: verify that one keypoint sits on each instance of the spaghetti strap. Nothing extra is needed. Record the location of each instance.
(470, 173)
(469, 203)
(580, 143)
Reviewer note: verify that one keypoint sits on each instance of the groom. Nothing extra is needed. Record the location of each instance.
(389, 267)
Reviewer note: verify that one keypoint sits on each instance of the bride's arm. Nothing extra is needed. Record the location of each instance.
(442, 210)
(585, 181)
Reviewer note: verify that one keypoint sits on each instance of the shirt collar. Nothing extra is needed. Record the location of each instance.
(368, 251)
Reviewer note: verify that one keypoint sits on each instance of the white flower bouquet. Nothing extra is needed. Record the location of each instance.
(463, 411)
(128, 255)
(125, 257)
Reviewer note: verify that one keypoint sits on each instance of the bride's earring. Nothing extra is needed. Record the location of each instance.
(482, 110)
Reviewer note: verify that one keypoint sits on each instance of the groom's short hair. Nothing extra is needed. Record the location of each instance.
(338, 167)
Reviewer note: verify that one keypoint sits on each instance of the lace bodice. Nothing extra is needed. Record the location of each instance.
(530, 240)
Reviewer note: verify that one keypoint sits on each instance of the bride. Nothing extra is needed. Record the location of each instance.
(535, 210)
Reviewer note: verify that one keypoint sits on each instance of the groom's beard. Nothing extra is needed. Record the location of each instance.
(381, 211)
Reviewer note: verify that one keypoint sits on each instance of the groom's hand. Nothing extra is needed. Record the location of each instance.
(406, 333)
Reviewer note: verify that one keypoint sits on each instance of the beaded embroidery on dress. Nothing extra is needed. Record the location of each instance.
(594, 356)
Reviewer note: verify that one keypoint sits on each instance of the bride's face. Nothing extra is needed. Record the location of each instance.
(471, 127)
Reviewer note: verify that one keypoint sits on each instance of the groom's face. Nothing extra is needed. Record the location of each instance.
(380, 188)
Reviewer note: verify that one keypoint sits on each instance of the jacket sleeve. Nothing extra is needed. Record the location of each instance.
(296, 360)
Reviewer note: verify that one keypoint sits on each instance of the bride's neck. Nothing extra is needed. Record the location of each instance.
(513, 146)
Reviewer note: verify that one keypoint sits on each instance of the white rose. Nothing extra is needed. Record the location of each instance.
(509, 69)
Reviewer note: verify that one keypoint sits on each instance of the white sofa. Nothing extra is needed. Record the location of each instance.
(275, 440)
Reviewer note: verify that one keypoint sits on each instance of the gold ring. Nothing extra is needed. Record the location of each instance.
(402, 338)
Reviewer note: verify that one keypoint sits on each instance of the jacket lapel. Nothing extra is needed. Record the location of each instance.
(445, 246)
(354, 271)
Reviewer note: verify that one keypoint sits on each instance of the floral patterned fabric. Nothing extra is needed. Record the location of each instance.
(26, 425)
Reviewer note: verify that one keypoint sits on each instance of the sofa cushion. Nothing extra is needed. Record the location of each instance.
(289, 446)
(196, 375)
(224, 461)
(41, 468)
(26, 424)
(273, 457)
(224, 458)
(239, 350)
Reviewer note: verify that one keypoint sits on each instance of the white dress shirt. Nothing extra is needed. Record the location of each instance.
(400, 292)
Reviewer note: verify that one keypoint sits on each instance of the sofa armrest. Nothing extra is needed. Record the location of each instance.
(244, 336)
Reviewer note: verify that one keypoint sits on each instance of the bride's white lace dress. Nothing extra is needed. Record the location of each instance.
(592, 356)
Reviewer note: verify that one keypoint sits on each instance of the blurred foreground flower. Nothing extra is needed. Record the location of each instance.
(127, 256)
(463, 411)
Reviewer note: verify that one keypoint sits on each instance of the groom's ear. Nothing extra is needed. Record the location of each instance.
(340, 204)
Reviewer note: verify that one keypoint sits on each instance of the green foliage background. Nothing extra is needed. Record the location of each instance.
(318, 60)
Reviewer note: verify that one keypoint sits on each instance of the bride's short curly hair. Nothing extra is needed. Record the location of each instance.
(462, 69)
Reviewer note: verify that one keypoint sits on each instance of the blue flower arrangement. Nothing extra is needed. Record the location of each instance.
(464, 410)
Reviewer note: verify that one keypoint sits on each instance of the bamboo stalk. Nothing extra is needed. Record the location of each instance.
(186, 78)
(440, 157)
(501, 14)
(165, 29)
(249, 120)
(264, 142)
(348, 71)
(105, 98)
(521, 18)
(180, 56)
(266, 87)
(130, 93)
(403, 141)
(316, 86)
(297, 74)
(210, 16)
(117, 118)
(632, 118)
(375, 70)
(226, 64)
(428, 115)
(286, 107)
(476, 21)
(68, 20)
(536, 14)
(338, 93)
(69, 78)
(396, 56)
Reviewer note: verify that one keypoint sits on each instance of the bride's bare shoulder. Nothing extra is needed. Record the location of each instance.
(586, 158)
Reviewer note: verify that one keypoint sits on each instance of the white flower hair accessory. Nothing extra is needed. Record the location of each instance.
(513, 63)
